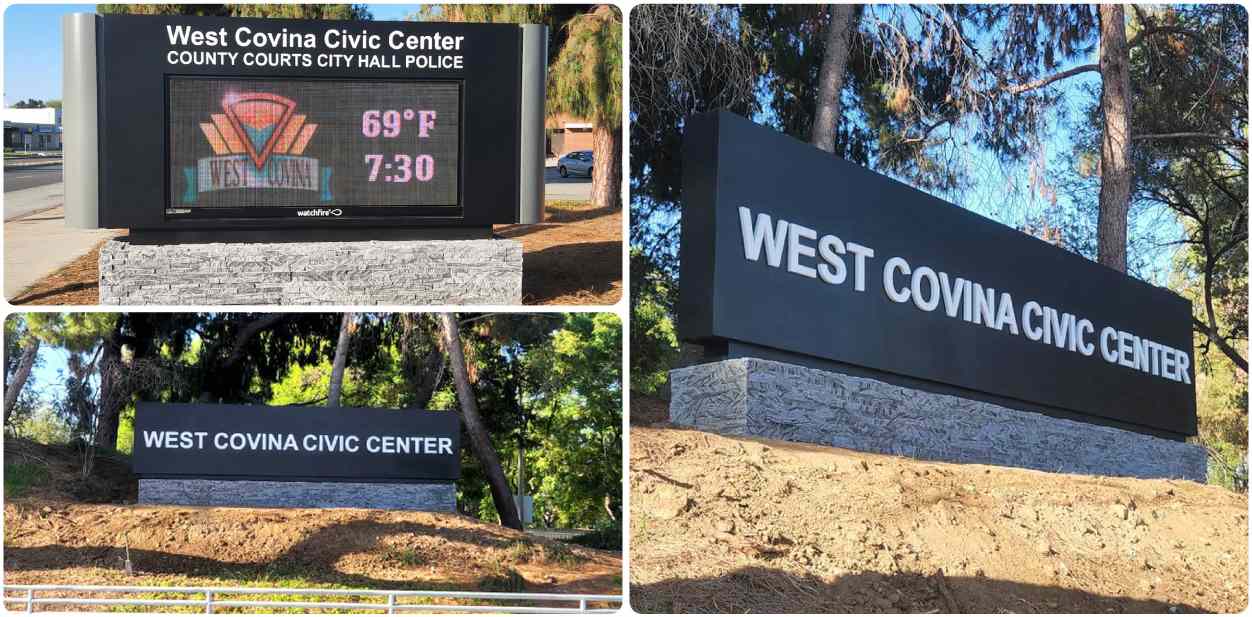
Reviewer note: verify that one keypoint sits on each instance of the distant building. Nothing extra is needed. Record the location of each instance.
(566, 134)
(32, 129)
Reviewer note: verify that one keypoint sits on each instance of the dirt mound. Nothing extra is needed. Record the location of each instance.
(732, 525)
(51, 542)
(51, 535)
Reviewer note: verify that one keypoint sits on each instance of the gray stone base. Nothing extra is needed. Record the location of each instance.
(295, 273)
(762, 398)
(266, 494)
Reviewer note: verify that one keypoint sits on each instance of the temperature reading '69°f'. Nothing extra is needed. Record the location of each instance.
(388, 122)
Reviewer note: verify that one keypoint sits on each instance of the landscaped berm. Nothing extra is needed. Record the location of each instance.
(59, 530)
(731, 525)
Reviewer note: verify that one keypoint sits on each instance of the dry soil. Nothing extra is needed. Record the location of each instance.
(731, 525)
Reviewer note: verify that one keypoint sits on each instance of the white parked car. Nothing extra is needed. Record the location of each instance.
(577, 162)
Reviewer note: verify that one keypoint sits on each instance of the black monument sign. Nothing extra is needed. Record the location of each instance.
(790, 253)
(254, 442)
(277, 125)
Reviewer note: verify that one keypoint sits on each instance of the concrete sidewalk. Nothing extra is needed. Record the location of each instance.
(39, 244)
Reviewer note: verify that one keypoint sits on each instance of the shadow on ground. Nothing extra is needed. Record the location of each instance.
(764, 590)
(315, 559)
(587, 268)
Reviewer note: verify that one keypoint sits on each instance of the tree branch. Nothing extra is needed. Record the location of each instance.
(1192, 135)
(1044, 81)
(1221, 343)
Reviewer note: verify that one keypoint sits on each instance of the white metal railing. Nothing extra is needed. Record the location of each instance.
(389, 601)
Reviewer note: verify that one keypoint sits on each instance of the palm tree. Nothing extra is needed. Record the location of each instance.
(586, 82)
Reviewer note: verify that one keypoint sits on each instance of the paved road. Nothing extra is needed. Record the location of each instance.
(557, 188)
(30, 177)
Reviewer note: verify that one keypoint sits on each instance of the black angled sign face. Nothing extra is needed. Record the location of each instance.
(791, 251)
(255, 442)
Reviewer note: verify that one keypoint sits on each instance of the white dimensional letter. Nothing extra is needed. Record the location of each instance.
(1107, 336)
(1006, 314)
(984, 305)
(1124, 349)
(888, 274)
(925, 272)
(830, 248)
(1033, 333)
(860, 253)
(952, 293)
(763, 232)
(1085, 327)
(798, 250)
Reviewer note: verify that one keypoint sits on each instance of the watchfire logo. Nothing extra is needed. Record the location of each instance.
(319, 212)
(258, 140)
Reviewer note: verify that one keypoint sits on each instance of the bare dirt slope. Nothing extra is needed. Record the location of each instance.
(51, 542)
(53, 535)
(732, 525)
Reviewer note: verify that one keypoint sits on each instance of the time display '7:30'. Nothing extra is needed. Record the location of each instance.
(389, 124)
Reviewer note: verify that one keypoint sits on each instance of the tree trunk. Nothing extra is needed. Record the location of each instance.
(341, 361)
(11, 393)
(1115, 171)
(606, 171)
(113, 392)
(480, 441)
(830, 80)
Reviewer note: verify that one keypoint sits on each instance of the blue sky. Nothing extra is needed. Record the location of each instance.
(32, 46)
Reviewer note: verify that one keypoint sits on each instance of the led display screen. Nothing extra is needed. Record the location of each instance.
(271, 146)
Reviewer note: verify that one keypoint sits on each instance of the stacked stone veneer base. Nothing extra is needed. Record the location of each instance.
(375, 272)
(762, 398)
(267, 494)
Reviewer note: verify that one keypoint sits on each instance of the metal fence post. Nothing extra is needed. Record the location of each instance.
(391, 604)
(208, 601)
(582, 605)
(30, 600)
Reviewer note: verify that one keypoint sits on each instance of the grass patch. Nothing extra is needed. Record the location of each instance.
(522, 551)
(560, 553)
(503, 578)
(19, 478)
(406, 556)
(568, 204)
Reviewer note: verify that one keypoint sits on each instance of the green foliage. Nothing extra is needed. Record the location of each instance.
(1228, 466)
(576, 421)
(19, 478)
(585, 81)
(653, 339)
(33, 104)
(43, 426)
(126, 432)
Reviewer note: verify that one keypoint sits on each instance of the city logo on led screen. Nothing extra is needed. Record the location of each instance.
(258, 142)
